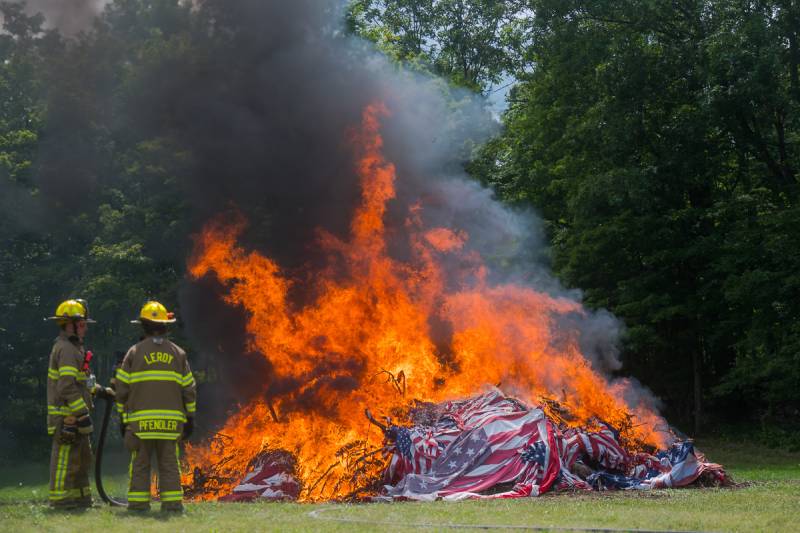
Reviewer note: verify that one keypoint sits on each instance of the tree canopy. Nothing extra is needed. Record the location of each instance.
(657, 140)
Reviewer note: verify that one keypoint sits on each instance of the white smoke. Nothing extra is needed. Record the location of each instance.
(68, 16)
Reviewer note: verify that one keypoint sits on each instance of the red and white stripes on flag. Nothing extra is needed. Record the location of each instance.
(483, 443)
(601, 447)
(491, 446)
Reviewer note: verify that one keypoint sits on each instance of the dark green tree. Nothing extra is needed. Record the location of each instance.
(659, 141)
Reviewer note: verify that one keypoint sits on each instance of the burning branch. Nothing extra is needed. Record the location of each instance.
(211, 479)
(372, 420)
(323, 476)
(360, 470)
(272, 411)
(557, 411)
(366, 473)
(398, 381)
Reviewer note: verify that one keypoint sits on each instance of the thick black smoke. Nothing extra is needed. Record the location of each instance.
(264, 104)
(269, 124)
(270, 127)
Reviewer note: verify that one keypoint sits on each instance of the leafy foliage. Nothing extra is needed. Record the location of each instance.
(91, 205)
(659, 140)
(471, 43)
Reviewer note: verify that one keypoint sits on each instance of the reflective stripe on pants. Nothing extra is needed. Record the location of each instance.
(69, 469)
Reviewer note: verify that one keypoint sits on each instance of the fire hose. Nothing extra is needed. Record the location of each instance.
(98, 459)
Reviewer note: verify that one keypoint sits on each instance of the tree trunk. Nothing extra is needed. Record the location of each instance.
(794, 60)
(698, 391)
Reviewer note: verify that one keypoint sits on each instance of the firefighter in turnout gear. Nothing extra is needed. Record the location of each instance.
(156, 399)
(70, 387)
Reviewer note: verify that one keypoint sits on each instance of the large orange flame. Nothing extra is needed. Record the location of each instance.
(371, 319)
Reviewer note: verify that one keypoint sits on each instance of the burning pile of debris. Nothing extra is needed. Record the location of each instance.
(376, 329)
(488, 446)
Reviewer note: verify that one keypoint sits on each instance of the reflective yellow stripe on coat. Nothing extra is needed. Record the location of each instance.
(149, 435)
(70, 371)
(154, 375)
(154, 414)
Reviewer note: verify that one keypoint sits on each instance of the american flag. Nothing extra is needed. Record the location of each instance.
(681, 466)
(487, 441)
(416, 451)
(600, 447)
(491, 446)
(270, 477)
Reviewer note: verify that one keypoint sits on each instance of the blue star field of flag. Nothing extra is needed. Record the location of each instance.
(535, 453)
(403, 441)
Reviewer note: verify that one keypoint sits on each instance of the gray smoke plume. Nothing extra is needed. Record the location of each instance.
(23, 212)
(265, 108)
(68, 16)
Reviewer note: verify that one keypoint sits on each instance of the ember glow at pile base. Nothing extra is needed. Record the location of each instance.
(366, 341)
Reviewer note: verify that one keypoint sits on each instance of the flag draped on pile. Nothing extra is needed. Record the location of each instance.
(491, 446)
(271, 477)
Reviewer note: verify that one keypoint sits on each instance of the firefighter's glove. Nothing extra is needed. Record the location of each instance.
(105, 393)
(188, 428)
(84, 425)
(69, 431)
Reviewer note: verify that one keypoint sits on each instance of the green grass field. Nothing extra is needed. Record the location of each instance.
(769, 501)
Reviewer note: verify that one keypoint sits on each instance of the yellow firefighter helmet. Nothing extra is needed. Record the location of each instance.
(74, 309)
(153, 311)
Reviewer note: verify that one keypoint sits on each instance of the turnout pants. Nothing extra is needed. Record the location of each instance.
(69, 471)
(169, 472)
